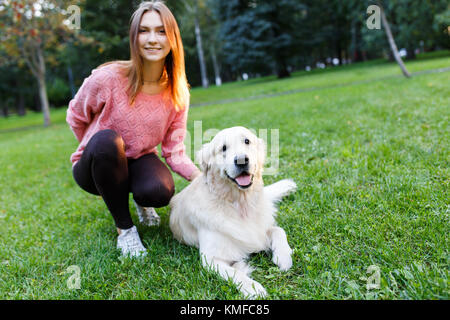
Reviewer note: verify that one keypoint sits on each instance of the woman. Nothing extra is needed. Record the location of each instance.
(123, 110)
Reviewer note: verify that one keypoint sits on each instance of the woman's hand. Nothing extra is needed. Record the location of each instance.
(194, 174)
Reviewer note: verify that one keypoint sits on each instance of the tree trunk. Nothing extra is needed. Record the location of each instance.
(338, 49)
(392, 43)
(4, 108)
(216, 67)
(33, 56)
(410, 52)
(201, 57)
(21, 111)
(20, 97)
(357, 54)
(71, 84)
(42, 88)
(281, 67)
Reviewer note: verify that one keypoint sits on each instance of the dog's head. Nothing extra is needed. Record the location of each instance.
(234, 155)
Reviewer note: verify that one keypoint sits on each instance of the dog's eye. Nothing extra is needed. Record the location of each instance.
(224, 148)
(247, 141)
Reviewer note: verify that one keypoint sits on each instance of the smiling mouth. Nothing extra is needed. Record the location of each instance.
(243, 181)
(152, 49)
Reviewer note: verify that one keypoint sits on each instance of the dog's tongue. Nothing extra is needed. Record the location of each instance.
(244, 179)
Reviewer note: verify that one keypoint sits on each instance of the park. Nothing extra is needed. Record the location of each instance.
(367, 147)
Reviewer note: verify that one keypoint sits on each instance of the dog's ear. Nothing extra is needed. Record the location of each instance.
(203, 157)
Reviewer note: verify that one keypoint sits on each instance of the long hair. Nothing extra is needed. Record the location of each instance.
(174, 73)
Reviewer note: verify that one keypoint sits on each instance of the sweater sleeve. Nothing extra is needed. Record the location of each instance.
(88, 101)
(173, 148)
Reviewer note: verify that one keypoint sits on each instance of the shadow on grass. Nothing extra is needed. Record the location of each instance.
(30, 127)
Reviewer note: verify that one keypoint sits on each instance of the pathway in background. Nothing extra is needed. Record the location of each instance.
(225, 101)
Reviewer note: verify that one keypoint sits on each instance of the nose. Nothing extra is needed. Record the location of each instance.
(241, 161)
(151, 37)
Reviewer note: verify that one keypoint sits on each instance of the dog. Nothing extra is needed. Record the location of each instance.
(228, 213)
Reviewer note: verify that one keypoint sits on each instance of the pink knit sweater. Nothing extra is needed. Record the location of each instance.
(102, 103)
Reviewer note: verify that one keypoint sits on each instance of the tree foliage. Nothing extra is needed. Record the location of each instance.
(31, 31)
(257, 37)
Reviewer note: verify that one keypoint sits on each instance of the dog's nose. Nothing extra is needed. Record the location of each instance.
(241, 161)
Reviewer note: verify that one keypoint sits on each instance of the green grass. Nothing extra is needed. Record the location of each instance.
(318, 78)
(371, 161)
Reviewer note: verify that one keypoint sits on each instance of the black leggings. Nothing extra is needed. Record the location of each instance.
(105, 170)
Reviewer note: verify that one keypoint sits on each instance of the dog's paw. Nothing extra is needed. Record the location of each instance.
(253, 289)
(280, 189)
(288, 186)
(283, 261)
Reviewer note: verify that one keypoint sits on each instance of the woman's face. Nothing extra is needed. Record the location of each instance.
(153, 42)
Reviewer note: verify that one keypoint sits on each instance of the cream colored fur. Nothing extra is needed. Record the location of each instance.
(228, 223)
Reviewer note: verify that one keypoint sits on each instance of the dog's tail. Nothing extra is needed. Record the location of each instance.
(280, 189)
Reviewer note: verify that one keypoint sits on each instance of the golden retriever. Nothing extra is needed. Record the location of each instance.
(227, 212)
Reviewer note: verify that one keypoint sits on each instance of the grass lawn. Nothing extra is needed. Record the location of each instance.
(371, 160)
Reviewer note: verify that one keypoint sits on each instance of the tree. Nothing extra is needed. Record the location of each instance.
(12, 84)
(193, 11)
(259, 35)
(414, 21)
(392, 42)
(106, 22)
(441, 24)
(29, 29)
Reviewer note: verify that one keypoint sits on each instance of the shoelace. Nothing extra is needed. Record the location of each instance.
(132, 241)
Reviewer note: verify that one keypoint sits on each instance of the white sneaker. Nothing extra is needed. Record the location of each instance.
(130, 243)
(147, 215)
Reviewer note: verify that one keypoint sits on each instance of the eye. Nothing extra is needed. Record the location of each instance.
(224, 148)
(247, 141)
(162, 31)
